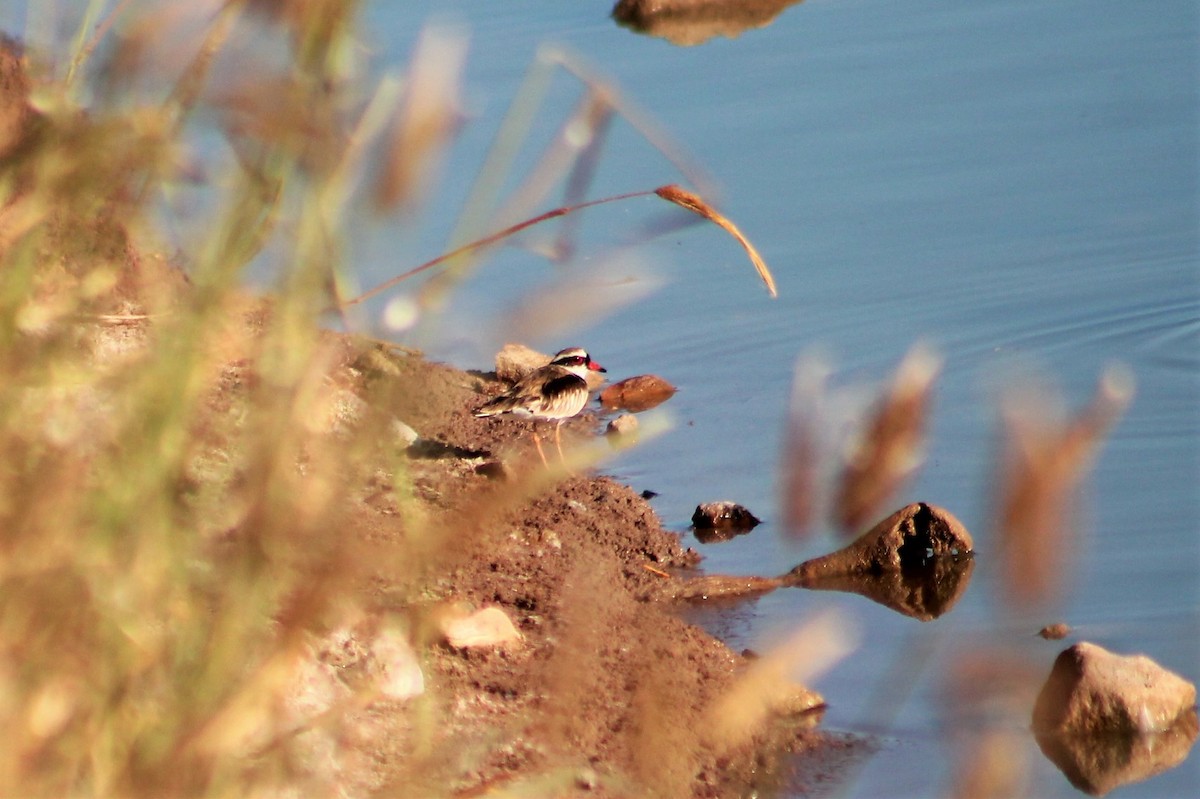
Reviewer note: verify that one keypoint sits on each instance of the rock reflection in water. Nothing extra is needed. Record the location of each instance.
(691, 22)
(918, 562)
(1096, 764)
(922, 592)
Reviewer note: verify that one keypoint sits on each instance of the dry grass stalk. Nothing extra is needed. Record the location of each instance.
(1042, 463)
(573, 153)
(801, 448)
(806, 653)
(640, 120)
(891, 447)
(174, 503)
(571, 150)
(995, 767)
(697, 205)
(479, 244)
(430, 118)
(599, 116)
(574, 301)
(671, 193)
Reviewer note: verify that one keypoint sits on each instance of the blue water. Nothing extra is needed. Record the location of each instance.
(1014, 183)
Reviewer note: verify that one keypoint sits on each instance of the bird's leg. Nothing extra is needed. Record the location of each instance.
(538, 443)
(558, 440)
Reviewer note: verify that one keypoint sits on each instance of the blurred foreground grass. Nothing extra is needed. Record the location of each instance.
(166, 477)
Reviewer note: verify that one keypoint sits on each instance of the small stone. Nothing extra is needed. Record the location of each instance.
(394, 666)
(637, 394)
(340, 411)
(1092, 690)
(586, 779)
(792, 699)
(404, 434)
(495, 470)
(1055, 632)
(314, 688)
(624, 425)
(724, 514)
(488, 627)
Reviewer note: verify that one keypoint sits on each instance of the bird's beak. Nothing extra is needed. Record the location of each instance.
(595, 367)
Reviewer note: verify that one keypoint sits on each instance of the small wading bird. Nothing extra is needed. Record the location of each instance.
(556, 391)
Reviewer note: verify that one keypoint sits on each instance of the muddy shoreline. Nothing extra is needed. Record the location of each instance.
(607, 688)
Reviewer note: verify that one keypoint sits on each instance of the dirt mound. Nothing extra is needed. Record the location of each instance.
(605, 687)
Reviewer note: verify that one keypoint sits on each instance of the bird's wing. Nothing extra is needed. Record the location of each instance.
(526, 394)
(562, 391)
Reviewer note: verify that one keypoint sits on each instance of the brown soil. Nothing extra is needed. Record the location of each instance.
(605, 682)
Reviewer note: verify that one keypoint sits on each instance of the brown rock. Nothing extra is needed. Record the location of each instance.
(1097, 764)
(496, 470)
(912, 536)
(516, 360)
(1055, 632)
(723, 515)
(691, 22)
(637, 394)
(1093, 690)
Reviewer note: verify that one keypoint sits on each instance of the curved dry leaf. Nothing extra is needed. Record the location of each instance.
(696, 204)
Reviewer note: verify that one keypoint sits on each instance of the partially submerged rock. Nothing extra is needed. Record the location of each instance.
(918, 562)
(1096, 764)
(723, 515)
(624, 425)
(1055, 632)
(915, 535)
(795, 699)
(692, 22)
(1092, 690)
(636, 394)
